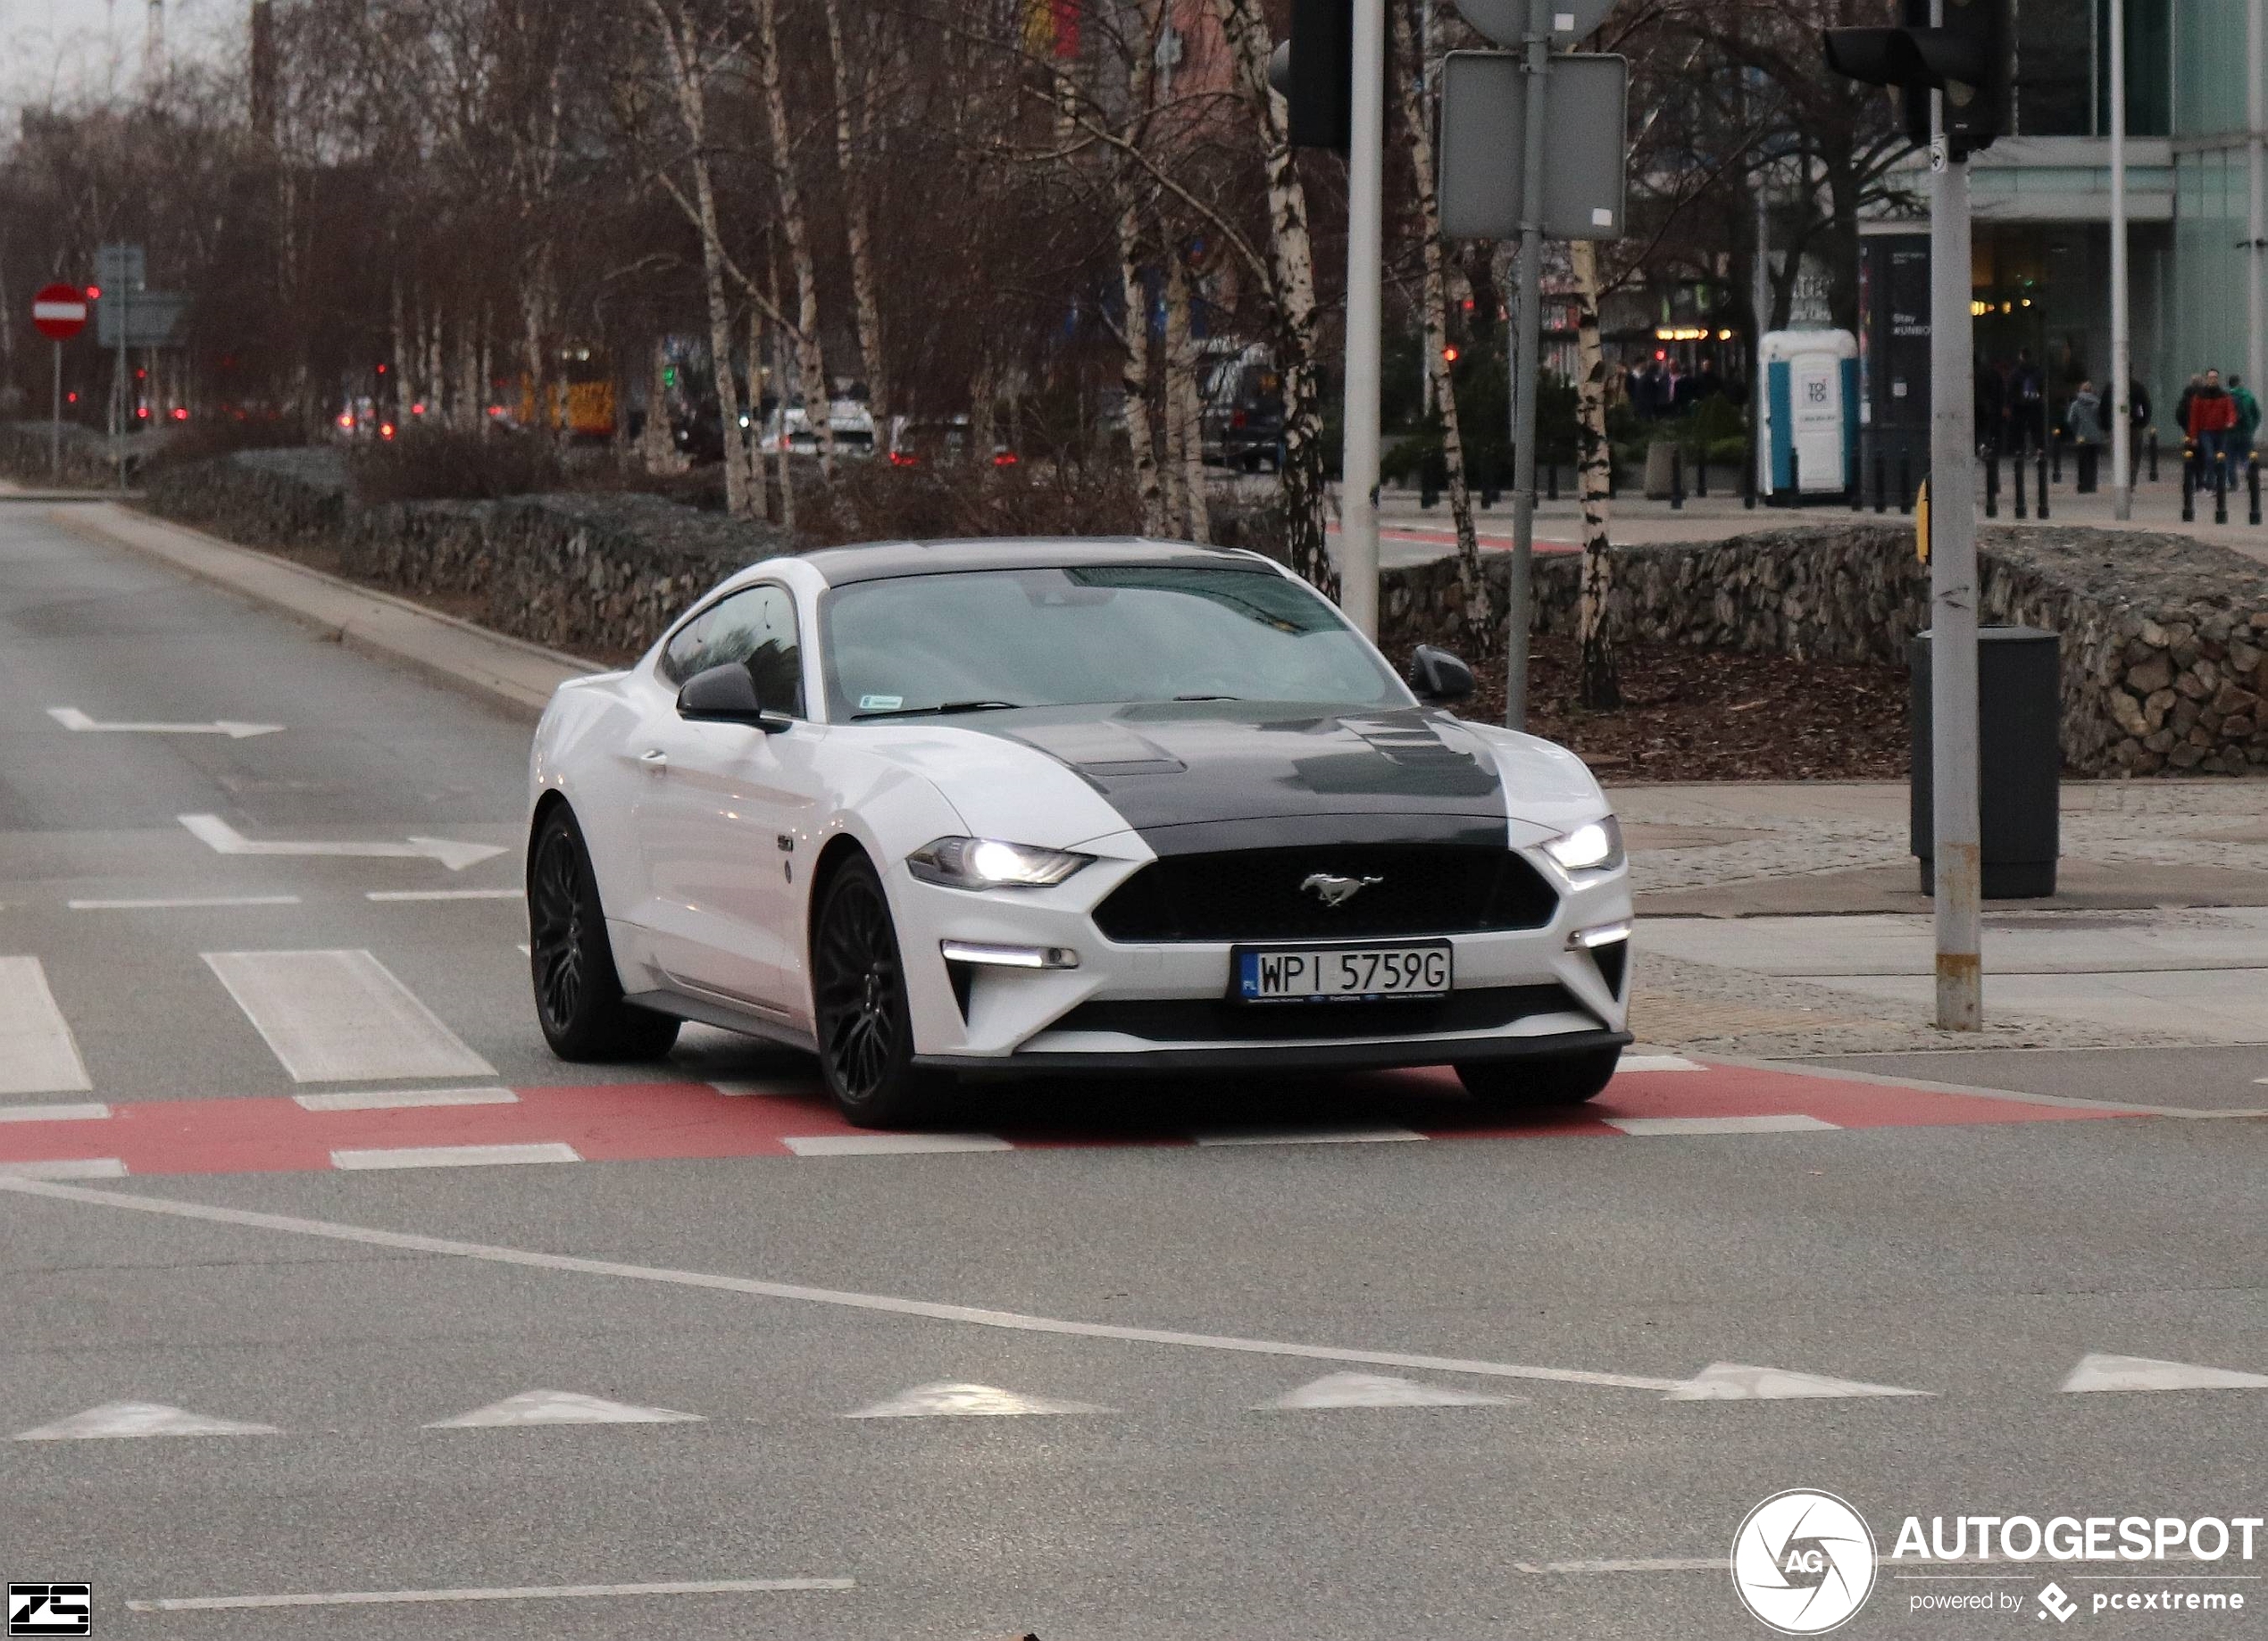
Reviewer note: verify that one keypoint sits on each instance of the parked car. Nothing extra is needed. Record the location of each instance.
(1241, 416)
(852, 423)
(1048, 806)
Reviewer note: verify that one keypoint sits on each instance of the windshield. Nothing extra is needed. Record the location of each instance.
(1102, 633)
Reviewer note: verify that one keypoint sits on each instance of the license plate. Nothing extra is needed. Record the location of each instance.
(1341, 973)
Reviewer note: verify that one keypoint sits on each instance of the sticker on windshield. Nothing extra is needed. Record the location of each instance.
(880, 703)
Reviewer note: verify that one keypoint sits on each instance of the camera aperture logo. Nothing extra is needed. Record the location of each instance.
(1803, 1562)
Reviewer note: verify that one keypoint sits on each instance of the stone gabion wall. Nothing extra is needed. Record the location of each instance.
(2163, 636)
(27, 451)
(596, 575)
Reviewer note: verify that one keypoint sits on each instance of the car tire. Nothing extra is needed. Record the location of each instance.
(865, 1024)
(579, 994)
(1541, 1084)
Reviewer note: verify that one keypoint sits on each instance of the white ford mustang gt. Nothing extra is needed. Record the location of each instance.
(998, 807)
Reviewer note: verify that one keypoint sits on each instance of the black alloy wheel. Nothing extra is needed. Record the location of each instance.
(578, 995)
(866, 1025)
(1542, 1084)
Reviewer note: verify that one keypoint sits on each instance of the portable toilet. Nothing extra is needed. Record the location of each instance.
(1810, 413)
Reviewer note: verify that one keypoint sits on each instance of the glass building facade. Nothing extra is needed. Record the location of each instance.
(2042, 270)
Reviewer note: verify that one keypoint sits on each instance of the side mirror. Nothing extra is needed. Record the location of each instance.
(1437, 676)
(727, 695)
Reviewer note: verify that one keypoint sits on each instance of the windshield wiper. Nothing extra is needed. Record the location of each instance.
(943, 707)
(1208, 697)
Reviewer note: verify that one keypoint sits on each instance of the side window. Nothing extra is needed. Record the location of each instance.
(756, 627)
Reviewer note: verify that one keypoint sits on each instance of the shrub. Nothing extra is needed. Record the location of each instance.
(428, 464)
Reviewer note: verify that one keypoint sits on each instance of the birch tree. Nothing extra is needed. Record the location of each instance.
(817, 400)
(1291, 270)
(685, 54)
(853, 133)
(1473, 590)
(1600, 688)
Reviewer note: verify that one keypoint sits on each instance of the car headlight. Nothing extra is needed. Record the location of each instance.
(1595, 846)
(987, 863)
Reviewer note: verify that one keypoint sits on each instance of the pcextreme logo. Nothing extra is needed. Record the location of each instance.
(1803, 1562)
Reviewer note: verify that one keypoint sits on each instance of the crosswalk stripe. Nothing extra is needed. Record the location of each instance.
(888, 1145)
(454, 1156)
(404, 1099)
(341, 1016)
(67, 1168)
(1781, 1122)
(88, 1112)
(36, 1053)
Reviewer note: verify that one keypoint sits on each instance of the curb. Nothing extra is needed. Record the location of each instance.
(510, 672)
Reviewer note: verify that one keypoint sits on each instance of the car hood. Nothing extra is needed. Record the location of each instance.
(1196, 776)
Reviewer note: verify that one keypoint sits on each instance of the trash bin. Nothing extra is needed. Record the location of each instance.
(2019, 759)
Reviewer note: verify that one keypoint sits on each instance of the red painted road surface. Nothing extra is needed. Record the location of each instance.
(616, 1121)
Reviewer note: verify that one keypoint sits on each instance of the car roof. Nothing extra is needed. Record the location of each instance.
(883, 561)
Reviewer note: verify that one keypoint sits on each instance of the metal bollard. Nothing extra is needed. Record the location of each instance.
(1701, 473)
(1881, 485)
(1905, 484)
(2188, 494)
(2154, 456)
(2056, 456)
(1428, 492)
(1795, 480)
(2043, 487)
(2221, 486)
(2019, 465)
(1992, 484)
(2252, 483)
(1488, 496)
(1677, 478)
(1857, 490)
(1551, 481)
(1748, 480)
(2087, 459)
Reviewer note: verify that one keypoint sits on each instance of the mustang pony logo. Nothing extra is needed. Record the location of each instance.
(1333, 890)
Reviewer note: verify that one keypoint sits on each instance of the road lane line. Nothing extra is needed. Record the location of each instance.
(336, 1017)
(1014, 1320)
(90, 1113)
(404, 1099)
(1780, 1122)
(1642, 1563)
(1301, 1137)
(185, 904)
(455, 1156)
(888, 1145)
(446, 894)
(36, 1053)
(531, 1592)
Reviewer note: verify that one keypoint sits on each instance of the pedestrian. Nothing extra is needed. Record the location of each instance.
(1991, 408)
(2181, 412)
(2213, 416)
(2248, 421)
(2083, 418)
(2028, 403)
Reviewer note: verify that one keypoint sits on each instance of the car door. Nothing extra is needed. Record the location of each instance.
(723, 806)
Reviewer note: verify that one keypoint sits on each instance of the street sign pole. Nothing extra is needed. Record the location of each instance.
(125, 379)
(2122, 324)
(56, 424)
(1953, 596)
(1366, 276)
(1527, 358)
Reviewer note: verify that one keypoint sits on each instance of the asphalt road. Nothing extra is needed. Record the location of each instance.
(1158, 1295)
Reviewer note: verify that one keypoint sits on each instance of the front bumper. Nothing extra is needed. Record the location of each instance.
(1128, 1008)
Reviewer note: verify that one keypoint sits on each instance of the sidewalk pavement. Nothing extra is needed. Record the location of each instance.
(1787, 918)
(1412, 534)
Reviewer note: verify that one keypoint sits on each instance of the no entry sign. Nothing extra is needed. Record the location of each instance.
(60, 312)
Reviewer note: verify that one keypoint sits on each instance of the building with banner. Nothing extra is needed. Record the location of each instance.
(2041, 270)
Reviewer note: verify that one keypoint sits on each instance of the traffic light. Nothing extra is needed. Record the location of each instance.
(1313, 70)
(1969, 57)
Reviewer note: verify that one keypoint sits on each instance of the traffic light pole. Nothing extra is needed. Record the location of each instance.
(2120, 384)
(1953, 601)
(1527, 361)
(1366, 276)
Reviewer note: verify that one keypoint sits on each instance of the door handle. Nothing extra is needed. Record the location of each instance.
(654, 759)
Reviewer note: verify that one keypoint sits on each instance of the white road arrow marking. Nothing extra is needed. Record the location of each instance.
(71, 718)
(1377, 1390)
(2101, 1372)
(222, 838)
(965, 1401)
(1731, 1381)
(560, 1407)
(138, 1419)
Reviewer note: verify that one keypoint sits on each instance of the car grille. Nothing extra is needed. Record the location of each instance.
(1215, 1019)
(1255, 895)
